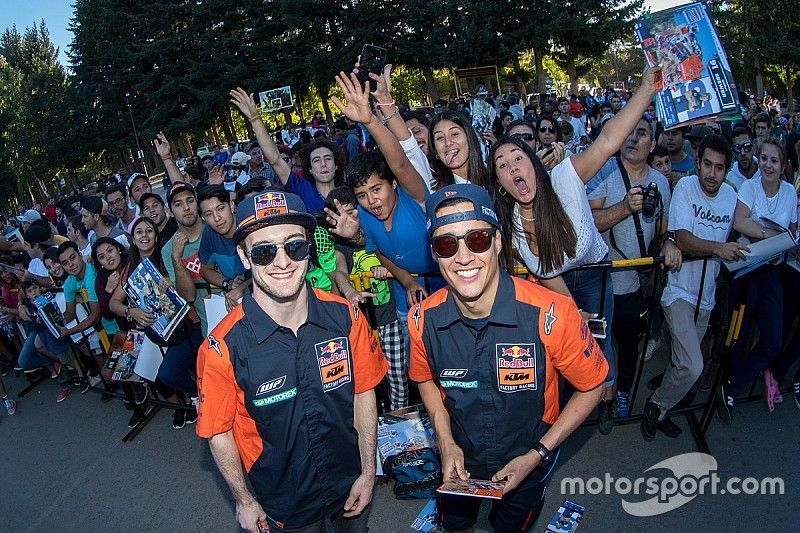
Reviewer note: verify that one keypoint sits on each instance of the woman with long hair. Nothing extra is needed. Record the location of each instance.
(766, 204)
(552, 237)
(181, 349)
(457, 152)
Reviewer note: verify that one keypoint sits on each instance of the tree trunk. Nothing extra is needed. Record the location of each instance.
(519, 76)
(538, 59)
(430, 82)
(326, 108)
(789, 80)
(225, 122)
(572, 73)
(759, 78)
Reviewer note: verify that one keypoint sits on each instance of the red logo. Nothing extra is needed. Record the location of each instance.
(333, 358)
(516, 367)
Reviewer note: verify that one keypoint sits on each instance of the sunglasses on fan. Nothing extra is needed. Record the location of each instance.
(477, 241)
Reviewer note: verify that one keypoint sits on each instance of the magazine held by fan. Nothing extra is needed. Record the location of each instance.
(696, 79)
(144, 289)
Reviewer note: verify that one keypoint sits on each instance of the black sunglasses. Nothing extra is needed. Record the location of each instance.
(523, 136)
(264, 254)
(547, 129)
(477, 240)
(742, 148)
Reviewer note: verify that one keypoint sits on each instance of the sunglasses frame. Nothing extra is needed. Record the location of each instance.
(528, 137)
(274, 253)
(739, 148)
(465, 237)
(547, 129)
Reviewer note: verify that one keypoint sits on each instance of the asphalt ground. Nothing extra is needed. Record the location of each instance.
(65, 468)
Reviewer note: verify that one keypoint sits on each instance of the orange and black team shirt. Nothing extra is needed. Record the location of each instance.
(289, 402)
(499, 380)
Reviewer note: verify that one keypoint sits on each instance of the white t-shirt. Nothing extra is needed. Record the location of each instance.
(590, 247)
(37, 268)
(735, 177)
(418, 160)
(578, 130)
(705, 218)
(780, 209)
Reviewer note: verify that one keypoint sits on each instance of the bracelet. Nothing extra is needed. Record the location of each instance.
(359, 236)
(387, 104)
(386, 120)
(166, 158)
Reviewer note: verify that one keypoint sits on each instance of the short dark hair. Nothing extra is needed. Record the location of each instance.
(521, 122)
(51, 253)
(363, 166)
(762, 117)
(338, 160)
(658, 151)
(562, 99)
(213, 191)
(147, 196)
(252, 186)
(718, 144)
(419, 116)
(76, 222)
(741, 130)
(345, 195)
(67, 245)
(120, 188)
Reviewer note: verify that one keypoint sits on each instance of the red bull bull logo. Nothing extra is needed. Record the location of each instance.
(516, 367)
(270, 203)
(333, 357)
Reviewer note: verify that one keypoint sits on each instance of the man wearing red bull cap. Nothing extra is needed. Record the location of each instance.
(487, 351)
(286, 385)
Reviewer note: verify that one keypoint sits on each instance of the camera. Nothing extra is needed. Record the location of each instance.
(651, 199)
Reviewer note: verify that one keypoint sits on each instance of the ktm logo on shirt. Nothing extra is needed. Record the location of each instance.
(333, 358)
(516, 367)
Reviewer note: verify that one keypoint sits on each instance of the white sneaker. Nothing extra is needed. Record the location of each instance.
(95, 381)
(652, 346)
(10, 405)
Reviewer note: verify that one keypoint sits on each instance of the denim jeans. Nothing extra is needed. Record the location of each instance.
(586, 289)
(180, 362)
(28, 356)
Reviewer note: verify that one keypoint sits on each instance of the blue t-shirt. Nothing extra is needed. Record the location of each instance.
(306, 190)
(683, 167)
(85, 286)
(217, 250)
(406, 244)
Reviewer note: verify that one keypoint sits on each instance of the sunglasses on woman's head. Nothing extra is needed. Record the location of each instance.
(477, 241)
(265, 254)
(547, 129)
(523, 136)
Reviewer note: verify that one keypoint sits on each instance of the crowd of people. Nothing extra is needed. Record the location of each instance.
(551, 187)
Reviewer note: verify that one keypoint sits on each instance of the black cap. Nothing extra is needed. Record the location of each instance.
(178, 188)
(93, 204)
(38, 234)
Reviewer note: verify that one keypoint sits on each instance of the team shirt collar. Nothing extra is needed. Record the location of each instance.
(264, 326)
(502, 313)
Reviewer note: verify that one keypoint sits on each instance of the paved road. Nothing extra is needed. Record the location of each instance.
(65, 468)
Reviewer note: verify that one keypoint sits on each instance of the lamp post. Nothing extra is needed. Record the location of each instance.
(139, 151)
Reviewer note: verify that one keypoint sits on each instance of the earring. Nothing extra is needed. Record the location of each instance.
(502, 191)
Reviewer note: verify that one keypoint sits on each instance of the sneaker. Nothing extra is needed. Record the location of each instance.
(195, 401)
(55, 370)
(652, 346)
(623, 404)
(83, 385)
(650, 420)
(797, 394)
(669, 428)
(5, 368)
(605, 416)
(179, 419)
(95, 381)
(32, 370)
(11, 406)
(725, 402)
(63, 392)
(191, 416)
(136, 419)
(140, 394)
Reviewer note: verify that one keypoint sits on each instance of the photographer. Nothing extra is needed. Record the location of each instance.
(630, 210)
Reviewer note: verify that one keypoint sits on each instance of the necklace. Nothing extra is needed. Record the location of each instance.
(523, 217)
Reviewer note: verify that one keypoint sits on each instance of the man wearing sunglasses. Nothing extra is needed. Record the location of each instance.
(745, 166)
(486, 352)
(286, 384)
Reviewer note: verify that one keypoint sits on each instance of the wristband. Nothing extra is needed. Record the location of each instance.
(226, 284)
(387, 104)
(544, 452)
(359, 236)
(166, 158)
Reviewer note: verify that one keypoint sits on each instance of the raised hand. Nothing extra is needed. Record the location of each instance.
(245, 102)
(216, 175)
(161, 145)
(383, 85)
(357, 108)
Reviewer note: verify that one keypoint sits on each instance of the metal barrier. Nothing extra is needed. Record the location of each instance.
(713, 362)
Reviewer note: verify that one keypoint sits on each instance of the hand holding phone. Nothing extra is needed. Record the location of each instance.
(373, 59)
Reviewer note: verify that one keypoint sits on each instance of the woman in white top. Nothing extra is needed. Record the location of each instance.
(552, 237)
(764, 203)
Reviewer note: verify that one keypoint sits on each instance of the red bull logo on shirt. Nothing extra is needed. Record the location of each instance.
(516, 367)
(333, 357)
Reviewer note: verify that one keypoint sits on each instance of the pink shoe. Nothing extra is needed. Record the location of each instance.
(772, 393)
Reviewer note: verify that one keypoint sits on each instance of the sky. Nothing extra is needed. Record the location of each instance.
(57, 13)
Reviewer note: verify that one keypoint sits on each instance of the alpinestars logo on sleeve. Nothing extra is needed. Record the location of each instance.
(416, 316)
(213, 344)
(549, 319)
